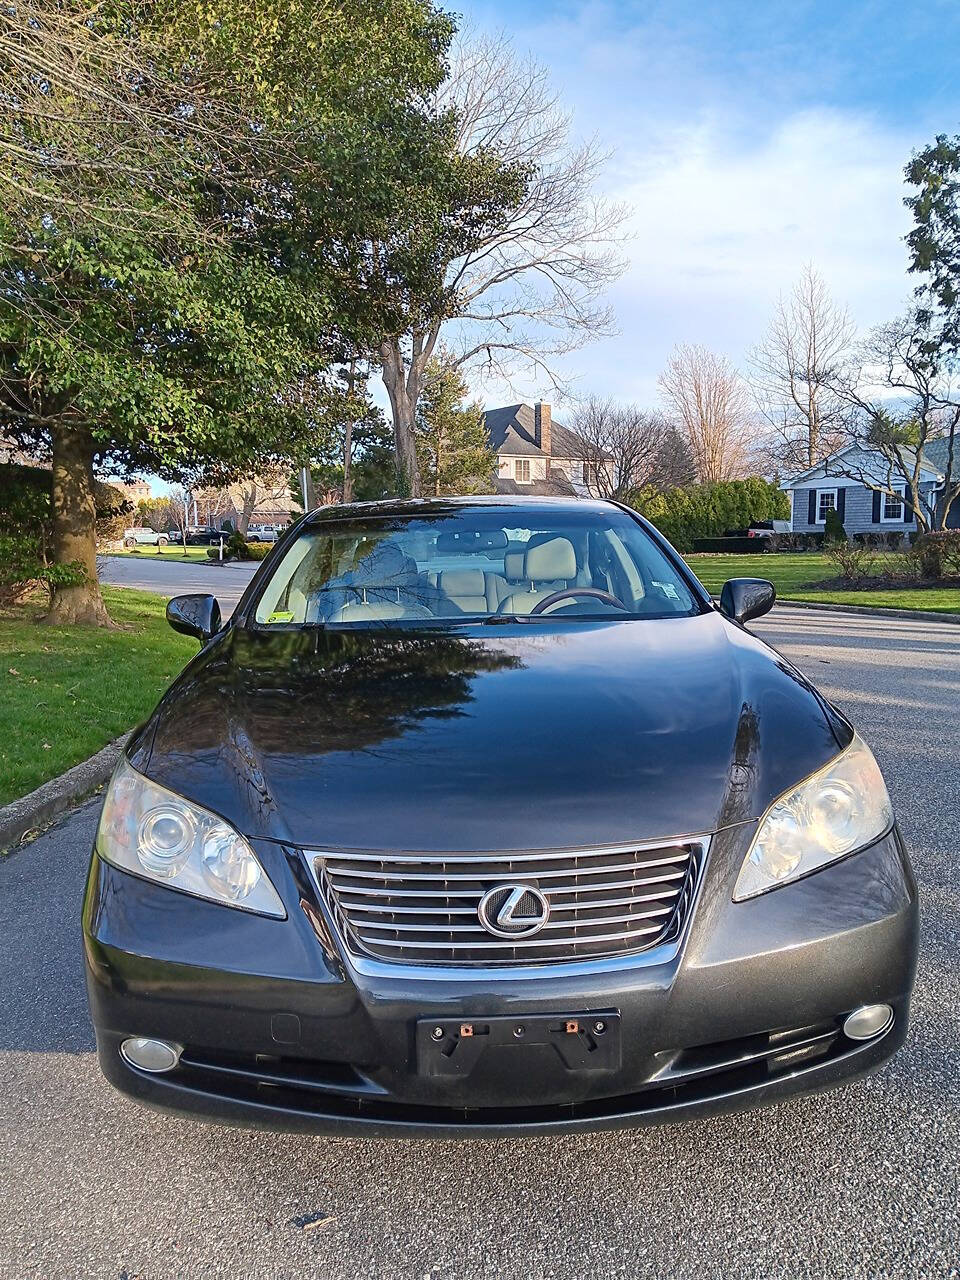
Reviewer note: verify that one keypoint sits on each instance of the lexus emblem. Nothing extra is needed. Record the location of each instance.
(513, 911)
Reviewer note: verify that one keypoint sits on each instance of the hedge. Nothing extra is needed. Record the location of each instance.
(730, 546)
(708, 510)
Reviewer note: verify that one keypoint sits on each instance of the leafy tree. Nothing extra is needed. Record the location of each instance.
(185, 198)
(453, 448)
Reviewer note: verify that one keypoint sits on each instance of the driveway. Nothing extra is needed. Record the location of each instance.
(860, 1182)
(178, 577)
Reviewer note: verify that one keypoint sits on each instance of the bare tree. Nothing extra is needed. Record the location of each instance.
(269, 485)
(709, 399)
(529, 285)
(624, 448)
(902, 388)
(794, 371)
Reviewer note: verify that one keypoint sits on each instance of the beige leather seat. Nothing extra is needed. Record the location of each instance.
(550, 566)
(470, 591)
(513, 566)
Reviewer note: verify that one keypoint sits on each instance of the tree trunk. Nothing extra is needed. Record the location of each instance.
(75, 530)
(347, 462)
(403, 402)
(250, 495)
(348, 437)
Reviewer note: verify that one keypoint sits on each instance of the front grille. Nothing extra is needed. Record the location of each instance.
(419, 908)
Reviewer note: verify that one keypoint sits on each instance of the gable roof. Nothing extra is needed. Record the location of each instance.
(513, 429)
(830, 468)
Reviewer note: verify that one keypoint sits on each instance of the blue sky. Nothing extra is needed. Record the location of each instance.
(749, 139)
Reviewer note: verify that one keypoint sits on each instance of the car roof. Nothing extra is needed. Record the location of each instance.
(444, 506)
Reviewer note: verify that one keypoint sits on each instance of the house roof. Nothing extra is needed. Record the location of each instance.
(555, 486)
(936, 453)
(832, 468)
(513, 430)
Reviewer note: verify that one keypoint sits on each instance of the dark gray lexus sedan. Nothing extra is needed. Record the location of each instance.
(479, 817)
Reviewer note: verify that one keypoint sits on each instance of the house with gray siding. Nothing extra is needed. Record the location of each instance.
(843, 482)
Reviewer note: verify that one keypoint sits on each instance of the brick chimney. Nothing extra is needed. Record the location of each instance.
(541, 418)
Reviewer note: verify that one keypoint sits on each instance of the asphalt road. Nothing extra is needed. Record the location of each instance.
(860, 1182)
(179, 577)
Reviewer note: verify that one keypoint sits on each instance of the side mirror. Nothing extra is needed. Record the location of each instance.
(744, 598)
(197, 616)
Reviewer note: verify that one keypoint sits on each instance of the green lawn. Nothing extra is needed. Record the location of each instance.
(793, 573)
(67, 691)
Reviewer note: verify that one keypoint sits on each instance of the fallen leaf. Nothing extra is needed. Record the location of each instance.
(47, 747)
(13, 671)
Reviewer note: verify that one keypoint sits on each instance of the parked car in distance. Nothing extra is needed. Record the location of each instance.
(768, 528)
(140, 536)
(479, 816)
(202, 535)
(264, 532)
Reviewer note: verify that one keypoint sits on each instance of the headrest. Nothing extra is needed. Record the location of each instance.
(462, 582)
(384, 562)
(513, 565)
(553, 559)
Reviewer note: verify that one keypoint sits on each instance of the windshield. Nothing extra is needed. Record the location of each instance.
(473, 563)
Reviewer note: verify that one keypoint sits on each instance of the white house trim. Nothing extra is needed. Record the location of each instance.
(885, 498)
(819, 514)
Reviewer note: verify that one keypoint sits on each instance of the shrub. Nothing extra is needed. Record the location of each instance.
(854, 562)
(707, 510)
(23, 567)
(937, 555)
(214, 553)
(257, 550)
(795, 542)
(833, 530)
(889, 541)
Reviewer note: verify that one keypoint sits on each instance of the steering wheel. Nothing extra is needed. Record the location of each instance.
(542, 605)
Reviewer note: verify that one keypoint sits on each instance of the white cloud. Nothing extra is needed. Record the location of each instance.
(721, 225)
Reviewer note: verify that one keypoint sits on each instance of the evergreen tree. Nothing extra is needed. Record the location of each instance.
(453, 449)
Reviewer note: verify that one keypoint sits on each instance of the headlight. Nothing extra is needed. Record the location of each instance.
(842, 807)
(151, 831)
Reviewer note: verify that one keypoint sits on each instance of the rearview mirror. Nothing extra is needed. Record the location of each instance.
(744, 598)
(197, 616)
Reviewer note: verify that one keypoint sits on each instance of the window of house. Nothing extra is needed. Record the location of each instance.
(522, 470)
(891, 508)
(826, 501)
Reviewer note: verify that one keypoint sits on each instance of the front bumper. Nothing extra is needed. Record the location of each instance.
(281, 1030)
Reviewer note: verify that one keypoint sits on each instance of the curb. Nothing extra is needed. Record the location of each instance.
(917, 615)
(58, 796)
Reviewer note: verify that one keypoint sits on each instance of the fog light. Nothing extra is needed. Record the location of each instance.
(151, 1055)
(870, 1021)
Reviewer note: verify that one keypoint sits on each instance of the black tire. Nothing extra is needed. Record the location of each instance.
(129, 542)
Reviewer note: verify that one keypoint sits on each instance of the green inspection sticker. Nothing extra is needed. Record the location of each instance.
(283, 616)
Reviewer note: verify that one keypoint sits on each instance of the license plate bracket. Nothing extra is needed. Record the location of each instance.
(582, 1041)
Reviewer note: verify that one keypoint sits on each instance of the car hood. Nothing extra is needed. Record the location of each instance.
(521, 736)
